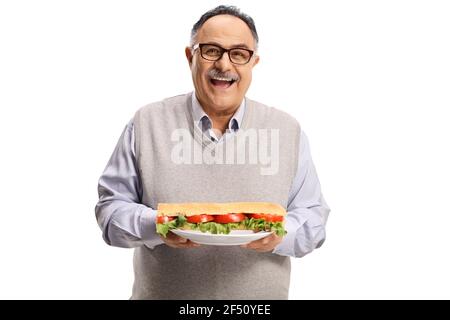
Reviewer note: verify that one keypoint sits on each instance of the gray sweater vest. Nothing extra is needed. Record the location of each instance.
(172, 170)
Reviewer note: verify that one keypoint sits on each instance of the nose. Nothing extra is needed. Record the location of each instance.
(224, 63)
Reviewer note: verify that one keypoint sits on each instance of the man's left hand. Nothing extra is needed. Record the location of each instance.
(265, 244)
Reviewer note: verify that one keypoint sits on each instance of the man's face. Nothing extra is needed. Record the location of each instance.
(228, 32)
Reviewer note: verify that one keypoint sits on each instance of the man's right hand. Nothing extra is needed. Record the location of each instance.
(174, 241)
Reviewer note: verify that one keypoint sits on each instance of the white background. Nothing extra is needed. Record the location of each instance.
(368, 80)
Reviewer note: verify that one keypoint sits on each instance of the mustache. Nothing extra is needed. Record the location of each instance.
(214, 73)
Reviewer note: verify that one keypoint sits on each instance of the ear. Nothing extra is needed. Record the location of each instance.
(189, 56)
(255, 61)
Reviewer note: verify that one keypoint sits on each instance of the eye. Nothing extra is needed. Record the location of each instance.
(239, 55)
(211, 51)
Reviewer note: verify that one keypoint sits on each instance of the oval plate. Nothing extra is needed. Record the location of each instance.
(234, 238)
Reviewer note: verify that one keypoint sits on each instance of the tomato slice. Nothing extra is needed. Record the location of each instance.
(267, 217)
(164, 219)
(229, 218)
(200, 218)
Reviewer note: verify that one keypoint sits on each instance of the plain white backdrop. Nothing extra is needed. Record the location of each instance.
(369, 82)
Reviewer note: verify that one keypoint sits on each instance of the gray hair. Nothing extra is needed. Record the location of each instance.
(230, 10)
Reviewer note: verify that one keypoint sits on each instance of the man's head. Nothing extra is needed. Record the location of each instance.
(222, 78)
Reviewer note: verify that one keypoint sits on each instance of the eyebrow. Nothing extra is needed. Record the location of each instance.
(239, 45)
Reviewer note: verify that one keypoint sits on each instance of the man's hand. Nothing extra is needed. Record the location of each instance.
(174, 241)
(265, 244)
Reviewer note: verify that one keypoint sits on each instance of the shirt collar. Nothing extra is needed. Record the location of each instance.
(202, 121)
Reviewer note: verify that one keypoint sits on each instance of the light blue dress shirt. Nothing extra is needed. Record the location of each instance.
(125, 222)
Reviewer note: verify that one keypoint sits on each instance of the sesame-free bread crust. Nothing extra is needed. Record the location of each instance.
(214, 208)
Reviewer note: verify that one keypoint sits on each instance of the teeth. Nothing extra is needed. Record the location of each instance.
(222, 79)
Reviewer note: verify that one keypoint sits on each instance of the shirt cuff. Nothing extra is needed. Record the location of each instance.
(147, 223)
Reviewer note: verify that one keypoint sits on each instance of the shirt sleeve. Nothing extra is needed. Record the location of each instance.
(124, 221)
(307, 211)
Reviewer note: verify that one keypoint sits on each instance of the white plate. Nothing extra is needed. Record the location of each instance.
(234, 238)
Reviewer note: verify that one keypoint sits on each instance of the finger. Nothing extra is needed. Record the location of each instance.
(175, 238)
(265, 244)
(192, 244)
(260, 242)
(188, 244)
(175, 241)
(254, 246)
(262, 248)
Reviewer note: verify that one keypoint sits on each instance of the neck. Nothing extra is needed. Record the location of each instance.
(219, 118)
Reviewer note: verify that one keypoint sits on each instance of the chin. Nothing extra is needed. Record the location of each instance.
(224, 104)
(225, 100)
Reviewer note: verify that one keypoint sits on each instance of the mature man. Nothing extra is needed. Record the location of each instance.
(142, 172)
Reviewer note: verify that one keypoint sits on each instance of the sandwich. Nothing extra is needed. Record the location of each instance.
(221, 218)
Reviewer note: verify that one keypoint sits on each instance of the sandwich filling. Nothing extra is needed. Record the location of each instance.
(221, 224)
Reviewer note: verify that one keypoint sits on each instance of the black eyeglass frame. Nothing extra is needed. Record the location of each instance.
(223, 50)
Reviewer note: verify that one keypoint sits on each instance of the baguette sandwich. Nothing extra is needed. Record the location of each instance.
(221, 218)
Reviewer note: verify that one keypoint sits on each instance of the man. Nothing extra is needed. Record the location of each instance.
(142, 172)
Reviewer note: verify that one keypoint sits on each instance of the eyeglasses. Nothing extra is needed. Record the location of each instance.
(212, 52)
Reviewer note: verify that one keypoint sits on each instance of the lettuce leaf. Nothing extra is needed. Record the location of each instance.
(164, 228)
(221, 228)
(263, 225)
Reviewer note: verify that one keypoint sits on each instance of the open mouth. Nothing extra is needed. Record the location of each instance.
(222, 83)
